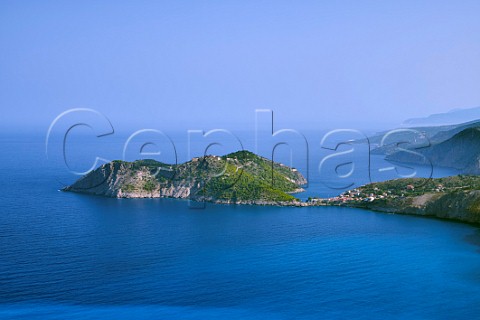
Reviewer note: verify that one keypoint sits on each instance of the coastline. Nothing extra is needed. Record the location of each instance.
(301, 204)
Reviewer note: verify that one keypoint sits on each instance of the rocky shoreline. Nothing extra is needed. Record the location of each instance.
(455, 198)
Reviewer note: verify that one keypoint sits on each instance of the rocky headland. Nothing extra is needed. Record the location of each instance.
(238, 178)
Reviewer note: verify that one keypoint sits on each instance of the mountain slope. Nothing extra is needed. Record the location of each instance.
(444, 135)
(461, 152)
(433, 134)
(240, 177)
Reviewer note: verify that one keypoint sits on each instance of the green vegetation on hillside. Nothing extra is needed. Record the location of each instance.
(242, 185)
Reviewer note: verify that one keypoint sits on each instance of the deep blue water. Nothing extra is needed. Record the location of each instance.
(70, 256)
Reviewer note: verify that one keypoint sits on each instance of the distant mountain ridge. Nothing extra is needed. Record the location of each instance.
(462, 152)
(432, 135)
(452, 117)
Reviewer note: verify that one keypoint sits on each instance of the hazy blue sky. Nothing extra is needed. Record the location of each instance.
(210, 64)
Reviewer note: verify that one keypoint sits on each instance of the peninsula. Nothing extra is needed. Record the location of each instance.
(239, 178)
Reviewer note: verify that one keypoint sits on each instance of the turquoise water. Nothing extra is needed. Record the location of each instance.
(70, 256)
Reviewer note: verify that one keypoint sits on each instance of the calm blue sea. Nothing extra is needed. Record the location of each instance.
(71, 256)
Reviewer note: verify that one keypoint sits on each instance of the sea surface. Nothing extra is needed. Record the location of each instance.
(72, 256)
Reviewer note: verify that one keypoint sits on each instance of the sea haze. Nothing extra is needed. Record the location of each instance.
(65, 255)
